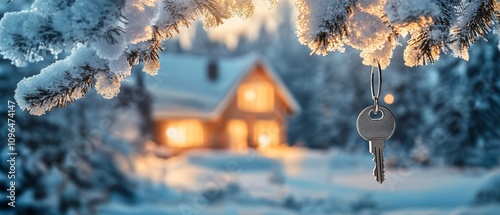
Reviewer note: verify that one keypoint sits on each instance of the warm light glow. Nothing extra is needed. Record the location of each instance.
(389, 99)
(266, 133)
(172, 132)
(237, 134)
(250, 95)
(184, 133)
(256, 97)
(264, 140)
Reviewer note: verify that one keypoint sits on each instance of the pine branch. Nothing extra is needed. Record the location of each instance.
(182, 16)
(112, 33)
(331, 26)
(137, 54)
(426, 45)
(31, 42)
(66, 81)
(50, 36)
(29, 50)
(425, 48)
(43, 99)
(474, 22)
(332, 35)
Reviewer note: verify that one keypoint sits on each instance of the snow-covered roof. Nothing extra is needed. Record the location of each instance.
(182, 89)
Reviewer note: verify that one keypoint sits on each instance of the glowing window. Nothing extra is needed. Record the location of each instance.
(237, 134)
(256, 97)
(184, 133)
(266, 133)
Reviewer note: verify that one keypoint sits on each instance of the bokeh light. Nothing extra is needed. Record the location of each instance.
(389, 99)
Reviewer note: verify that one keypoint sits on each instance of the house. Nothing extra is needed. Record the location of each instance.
(234, 103)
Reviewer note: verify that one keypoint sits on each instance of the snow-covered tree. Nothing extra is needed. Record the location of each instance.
(63, 169)
(466, 125)
(108, 37)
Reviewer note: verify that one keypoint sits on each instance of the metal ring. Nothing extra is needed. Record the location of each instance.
(373, 111)
(376, 97)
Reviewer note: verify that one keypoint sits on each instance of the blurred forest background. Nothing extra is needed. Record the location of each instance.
(448, 115)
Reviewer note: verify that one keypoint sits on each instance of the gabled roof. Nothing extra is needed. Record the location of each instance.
(182, 89)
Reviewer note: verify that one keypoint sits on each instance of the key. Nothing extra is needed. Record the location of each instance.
(376, 131)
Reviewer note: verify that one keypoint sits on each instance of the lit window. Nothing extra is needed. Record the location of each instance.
(237, 134)
(184, 133)
(256, 97)
(266, 133)
(250, 95)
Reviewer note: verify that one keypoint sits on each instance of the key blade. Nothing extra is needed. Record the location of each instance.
(378, 171)
(377, 150)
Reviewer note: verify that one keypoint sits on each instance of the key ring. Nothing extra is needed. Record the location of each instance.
(376, 97)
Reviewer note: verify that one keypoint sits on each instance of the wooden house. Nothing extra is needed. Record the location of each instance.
(234, 103)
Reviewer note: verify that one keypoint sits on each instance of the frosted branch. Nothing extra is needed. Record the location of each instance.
(66, 81)
(476, 19)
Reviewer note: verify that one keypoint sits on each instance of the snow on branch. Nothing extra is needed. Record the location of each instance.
(177, 13)
(114, 35)
(373, 27)
(57, 25)
(322, 24)
(431, 38)
(68, 80)
(476, 19)
(108, 37)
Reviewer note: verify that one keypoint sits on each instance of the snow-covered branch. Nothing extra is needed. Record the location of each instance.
(107, 38)
(373, 27)
(70, 79)
(322, 24)
(118, 34)
(430, 39)
(475, 20)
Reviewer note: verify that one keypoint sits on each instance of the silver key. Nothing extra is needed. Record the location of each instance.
(376, 131)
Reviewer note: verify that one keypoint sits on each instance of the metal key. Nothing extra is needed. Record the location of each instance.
(376, 131)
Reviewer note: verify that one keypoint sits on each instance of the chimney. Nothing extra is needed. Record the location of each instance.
(213, 70)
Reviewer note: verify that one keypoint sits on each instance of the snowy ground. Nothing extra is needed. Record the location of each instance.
(298, 181)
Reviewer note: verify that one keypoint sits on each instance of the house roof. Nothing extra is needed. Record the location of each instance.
(182, 89)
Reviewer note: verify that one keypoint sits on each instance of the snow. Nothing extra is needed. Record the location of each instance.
(107, 85)
(489, 192)
(110, 51)
(321, 182)
(120, 66)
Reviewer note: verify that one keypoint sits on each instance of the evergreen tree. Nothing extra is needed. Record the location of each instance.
(468, 108)
(66, 162)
